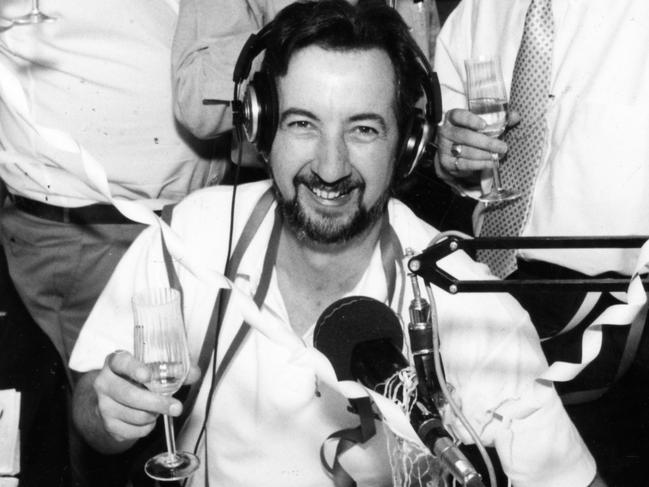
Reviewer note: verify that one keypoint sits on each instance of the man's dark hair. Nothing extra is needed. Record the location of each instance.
(337, 25)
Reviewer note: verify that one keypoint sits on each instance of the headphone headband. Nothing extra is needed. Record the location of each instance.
(250, 50)
(255, 115)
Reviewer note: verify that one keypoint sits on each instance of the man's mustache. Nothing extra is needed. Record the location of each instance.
(343, 186)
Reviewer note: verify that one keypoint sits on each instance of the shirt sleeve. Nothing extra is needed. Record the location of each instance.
(110, 326)
(209, 36)
(492, 358)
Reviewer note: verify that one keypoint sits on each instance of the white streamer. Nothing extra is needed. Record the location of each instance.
(617, 314)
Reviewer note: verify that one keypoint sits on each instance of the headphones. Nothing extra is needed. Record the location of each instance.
(255, 114)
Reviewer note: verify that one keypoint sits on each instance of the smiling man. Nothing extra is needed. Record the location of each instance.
(345, 80)
(332, 162)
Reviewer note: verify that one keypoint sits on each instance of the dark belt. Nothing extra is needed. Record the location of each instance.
(84, 215)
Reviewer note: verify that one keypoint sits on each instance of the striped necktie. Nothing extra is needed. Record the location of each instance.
(526, 141)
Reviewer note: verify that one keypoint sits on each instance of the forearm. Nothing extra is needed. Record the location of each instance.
(88, 420)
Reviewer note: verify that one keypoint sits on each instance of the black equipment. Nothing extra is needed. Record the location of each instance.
(420, 332)
(425, 264)
(362, 338)
(255, 113)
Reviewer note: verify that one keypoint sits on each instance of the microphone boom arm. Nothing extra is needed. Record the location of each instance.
(425, 263)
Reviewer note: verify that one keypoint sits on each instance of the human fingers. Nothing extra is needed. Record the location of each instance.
(468, 134)
(124, 379)
(468, 153)
(513, 118)
(125, 365)
(124, 423)
(127, 409)
(460, 117)
(463, 152)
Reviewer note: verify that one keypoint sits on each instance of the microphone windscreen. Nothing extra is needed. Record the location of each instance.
(350, 321)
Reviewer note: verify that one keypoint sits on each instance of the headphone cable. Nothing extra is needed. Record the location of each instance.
(208, 405)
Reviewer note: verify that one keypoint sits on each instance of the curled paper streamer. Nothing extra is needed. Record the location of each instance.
(618, 314)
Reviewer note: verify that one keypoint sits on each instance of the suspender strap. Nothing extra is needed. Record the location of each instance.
(237, 341)
(174, 282)
(260, 296)
(391, 255)
(211, 335)
(249, 230)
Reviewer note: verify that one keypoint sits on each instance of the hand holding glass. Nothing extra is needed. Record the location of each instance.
(488, 98)
(161, 344)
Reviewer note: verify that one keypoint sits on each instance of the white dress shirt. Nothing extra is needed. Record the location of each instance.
(267, 425)
(101, 74)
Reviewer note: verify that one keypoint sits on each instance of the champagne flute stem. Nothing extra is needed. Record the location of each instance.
(496, 172)
(170, 437)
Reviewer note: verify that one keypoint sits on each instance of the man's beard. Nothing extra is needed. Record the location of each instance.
(328, 229)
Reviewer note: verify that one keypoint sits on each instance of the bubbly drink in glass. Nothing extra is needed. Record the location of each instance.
(160, 343)
(487, 97)
(493, 111)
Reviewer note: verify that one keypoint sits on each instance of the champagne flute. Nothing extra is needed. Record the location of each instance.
(35, 16)
(488, 98)
(161, 344)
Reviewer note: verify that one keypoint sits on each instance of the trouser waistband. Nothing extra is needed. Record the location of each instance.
(97, 213)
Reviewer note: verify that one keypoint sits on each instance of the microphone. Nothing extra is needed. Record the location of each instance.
(420, 332)
(362, 338)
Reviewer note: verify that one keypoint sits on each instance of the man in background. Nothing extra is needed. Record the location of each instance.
(576, 73)
(93, 85)
(586, 162)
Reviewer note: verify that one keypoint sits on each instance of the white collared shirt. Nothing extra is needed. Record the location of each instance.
(267, 424)
(100, 74)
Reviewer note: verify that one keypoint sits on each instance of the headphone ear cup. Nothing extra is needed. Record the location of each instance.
(266, 116)
(413, 145)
